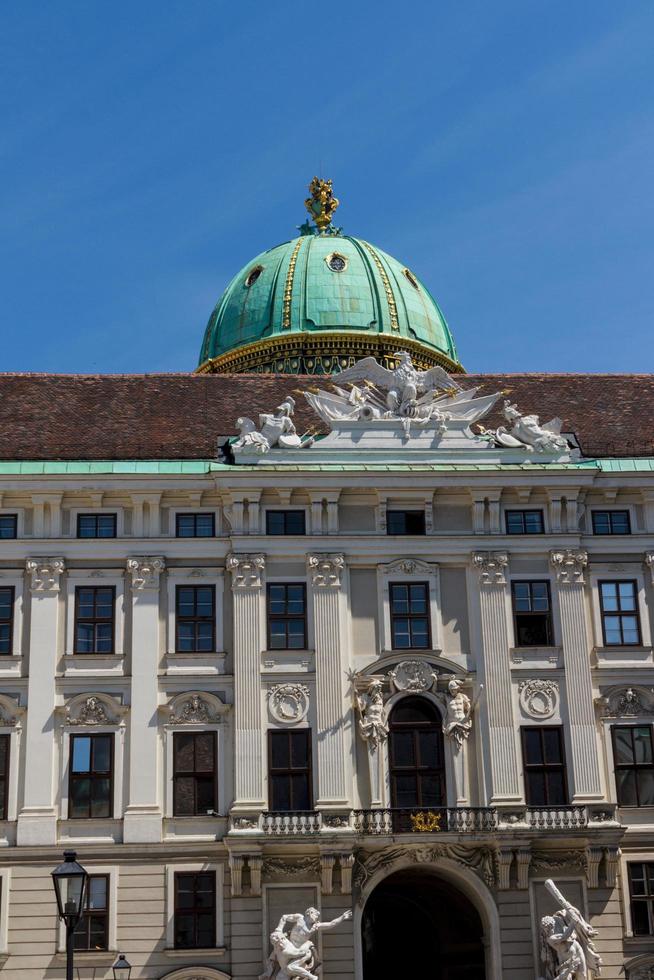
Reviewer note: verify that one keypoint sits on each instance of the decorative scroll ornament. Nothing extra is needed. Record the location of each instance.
(326, 570)
(478, 859)
(94, 709)
(247, 570)
(145, 571)
(288, 703)
(566, 942)
(426, 822)
(569, 565)
(527, 433)
(412, 675)
(44, 573)
(194, 708)
(626, 702)
(539, 698)
(276, 430)
(373, 726)
(491, 566)
(11, 712)
(294, 953)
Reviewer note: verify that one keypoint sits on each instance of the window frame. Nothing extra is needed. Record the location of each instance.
(394, 769)
(7, 776)
(549, 615)
(185, 515)
(195, 619)
(635, 768)
(402, 571)
(85, 578)
(409, 615)
(523, 511)
(595, 511)
(285, 617)
(175, 773)
(544, 767)
(219, 870)
(112, 772)
(285, 511)
(14, 515)
(95, 619)
(620, 613)
(88, 913)
(632, 859)
(11, 589)
(288, 771)
(416, 512)
(96, 514)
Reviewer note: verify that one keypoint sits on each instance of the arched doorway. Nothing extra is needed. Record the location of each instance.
(416, 755)
(415, 924)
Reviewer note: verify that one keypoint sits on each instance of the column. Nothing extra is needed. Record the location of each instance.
(333, 708)
(569, 568)
(247, 584)
(37, 821)
(143, 814)
(497, 702)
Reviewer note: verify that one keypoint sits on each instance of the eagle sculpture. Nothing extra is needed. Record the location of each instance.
(404, 384)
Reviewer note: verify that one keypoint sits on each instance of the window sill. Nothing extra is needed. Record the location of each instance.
(93, 663)
(94, 957)
(624, 648)
(196, 954)
(10, 663)
(196, 663)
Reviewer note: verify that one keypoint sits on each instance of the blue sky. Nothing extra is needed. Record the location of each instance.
(503, 150)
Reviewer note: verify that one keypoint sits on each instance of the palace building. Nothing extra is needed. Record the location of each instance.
(326, 623)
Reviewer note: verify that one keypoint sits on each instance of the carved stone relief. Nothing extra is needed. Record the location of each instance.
(94, 709)
(288, 703)
(481, 860)
(539, 698)
(628, 702)
(195, 708)
(491, 566)
(412, 675)
(326, 570)
(44, 573)
(569, 565)
(247, 570)
(145, 571)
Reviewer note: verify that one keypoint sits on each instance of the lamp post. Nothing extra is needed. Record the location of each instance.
(69, 880)
(122, 969)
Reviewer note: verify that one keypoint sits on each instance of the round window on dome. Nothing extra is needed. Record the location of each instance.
(252, 276)
(412, 279)
(336, 262)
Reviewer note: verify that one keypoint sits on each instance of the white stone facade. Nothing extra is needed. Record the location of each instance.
(484, 841)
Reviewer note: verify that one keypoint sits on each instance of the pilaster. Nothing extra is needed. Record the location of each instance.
(37, 821)
(569, 567)
(333, 709)
(247, 584)
(143, 814)
(491, 567)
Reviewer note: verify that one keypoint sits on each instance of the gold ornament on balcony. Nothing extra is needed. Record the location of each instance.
(425, 822)
(322, 203)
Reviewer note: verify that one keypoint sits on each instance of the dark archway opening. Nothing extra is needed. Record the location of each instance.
(417, 925)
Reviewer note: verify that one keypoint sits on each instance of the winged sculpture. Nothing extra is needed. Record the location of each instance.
(404, 385)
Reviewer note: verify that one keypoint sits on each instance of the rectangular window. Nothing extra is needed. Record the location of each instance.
(532, 614)
(619, 607)
(6, 620)
(410, 616)
(92, 930)
(524, 521)
(4, 775)
(611, 522)
(195, 620)
(194, 773)
(405, 522)
(195, 910)
(641, 894)
(195, 525)
(90, 790)
(94, 619)
(285, 522)
(96, 525)
(8, 525)
(287, 617)
(544, 766)
(634, 764)
(289, 770)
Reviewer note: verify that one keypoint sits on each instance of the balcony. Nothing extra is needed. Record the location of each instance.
(433, 820)
(291, 823)
(557, 818)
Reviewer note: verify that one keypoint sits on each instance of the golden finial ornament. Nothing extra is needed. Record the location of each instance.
(322, 203)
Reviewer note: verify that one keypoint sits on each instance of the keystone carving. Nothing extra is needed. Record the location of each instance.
(569, 566)
(145, 572)
(194, 708)
(326, 570)
(92, 710)
(247, 570)
(45, 573)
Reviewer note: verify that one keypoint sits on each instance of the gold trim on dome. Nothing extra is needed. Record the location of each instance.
(392, 308)
(325, 352)
(288, 287)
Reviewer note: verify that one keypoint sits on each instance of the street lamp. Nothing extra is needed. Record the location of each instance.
(69, 880)
(122, 969)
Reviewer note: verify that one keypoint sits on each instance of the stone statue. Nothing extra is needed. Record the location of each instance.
(404, 384)
(566, 948)
(372, 724)
(527, 433)
(458, 712)
(276, 430)
(294, 952)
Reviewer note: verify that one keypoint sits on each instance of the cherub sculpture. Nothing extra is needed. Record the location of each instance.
(566, 948)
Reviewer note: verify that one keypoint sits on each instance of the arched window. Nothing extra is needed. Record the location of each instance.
(416, 755)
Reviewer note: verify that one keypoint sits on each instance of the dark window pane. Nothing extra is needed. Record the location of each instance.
(611, 522)
(195, 623)
(195, 525)
(536, 789)
(645, 786)
(626, 785)
(524, 521)
(287, 623)
(6, 619)
(290, 770)
(544, 766)
(8, 526)
(531, 613)
(405, 522)
(96, 525)
(285, 522)
(409, 622)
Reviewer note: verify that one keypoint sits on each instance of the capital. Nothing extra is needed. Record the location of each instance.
(44, 573)
(247, 570)
(145, 571)
(491, 566)
(326, 570)
(569, 565)
(649, 563)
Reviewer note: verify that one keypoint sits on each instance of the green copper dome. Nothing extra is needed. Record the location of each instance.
(320, 302)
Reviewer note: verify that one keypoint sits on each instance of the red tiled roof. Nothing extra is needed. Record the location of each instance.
(182, 416)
